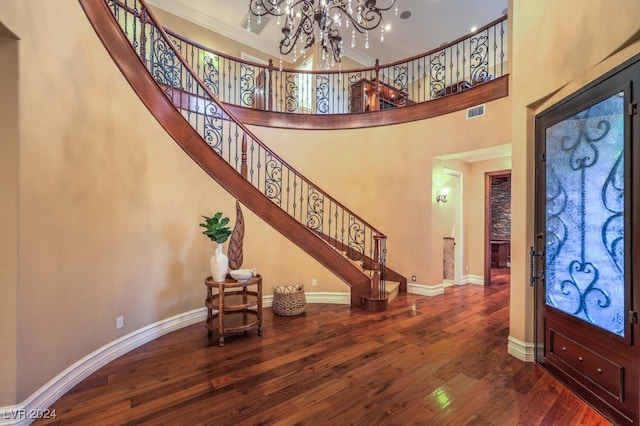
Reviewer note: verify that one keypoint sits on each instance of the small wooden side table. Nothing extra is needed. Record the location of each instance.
(235, 308)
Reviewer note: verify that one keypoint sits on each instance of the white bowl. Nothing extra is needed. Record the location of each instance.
(241, 275)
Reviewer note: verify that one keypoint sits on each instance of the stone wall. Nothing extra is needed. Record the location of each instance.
(501, 208)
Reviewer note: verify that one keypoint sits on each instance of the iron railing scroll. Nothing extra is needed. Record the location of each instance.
(457, 66)
(196, 81)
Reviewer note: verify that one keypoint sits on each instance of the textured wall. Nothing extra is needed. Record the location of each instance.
(109, 204)
(553, 56)
(8, 217)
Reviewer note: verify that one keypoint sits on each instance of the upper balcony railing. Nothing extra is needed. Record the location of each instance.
(454, 67)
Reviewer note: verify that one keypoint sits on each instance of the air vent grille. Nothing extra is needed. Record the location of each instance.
(475, 112)
(255, 27)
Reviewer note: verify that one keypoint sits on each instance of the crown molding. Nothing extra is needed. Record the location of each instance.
(213, 24)
(236, 33)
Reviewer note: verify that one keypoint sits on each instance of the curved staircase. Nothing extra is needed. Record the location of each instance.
(232, 155)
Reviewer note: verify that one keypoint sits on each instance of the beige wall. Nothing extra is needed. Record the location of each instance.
(226, 45)
(385, 175)
(475, 217)
(558, 47)
(109, 205)
(8, 216)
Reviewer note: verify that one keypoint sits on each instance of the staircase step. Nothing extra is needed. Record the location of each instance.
(392, 290)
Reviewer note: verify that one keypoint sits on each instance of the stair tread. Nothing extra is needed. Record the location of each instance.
(392, 289)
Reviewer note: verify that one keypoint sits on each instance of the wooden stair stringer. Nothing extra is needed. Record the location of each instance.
(170, 118)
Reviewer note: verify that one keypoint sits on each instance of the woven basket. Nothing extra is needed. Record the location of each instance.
(289, 300)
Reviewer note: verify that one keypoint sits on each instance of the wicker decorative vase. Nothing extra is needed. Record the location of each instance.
(289, 300)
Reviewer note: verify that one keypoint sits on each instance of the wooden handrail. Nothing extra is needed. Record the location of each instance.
(482, 93)
(436, 75)
(192, 143)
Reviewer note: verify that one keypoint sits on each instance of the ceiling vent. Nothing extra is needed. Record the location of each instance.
(255, 27)
(474, 112)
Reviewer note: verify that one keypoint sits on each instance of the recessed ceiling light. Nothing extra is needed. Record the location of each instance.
(387, 27)
(405, 15)
(473, 28)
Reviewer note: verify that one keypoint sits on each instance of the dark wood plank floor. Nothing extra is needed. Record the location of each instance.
(425, 361)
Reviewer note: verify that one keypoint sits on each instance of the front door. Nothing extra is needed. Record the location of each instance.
(583, 264)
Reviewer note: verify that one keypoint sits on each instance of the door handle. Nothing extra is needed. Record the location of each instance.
(532, 266)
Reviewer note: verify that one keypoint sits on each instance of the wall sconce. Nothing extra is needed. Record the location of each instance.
(441, 195)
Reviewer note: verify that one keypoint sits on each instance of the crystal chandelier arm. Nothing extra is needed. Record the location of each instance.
(292, 33)
(302, 16)
(366, 16)
(266, 7)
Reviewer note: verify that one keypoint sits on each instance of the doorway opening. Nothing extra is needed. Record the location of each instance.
(454, 243)
(497, 262)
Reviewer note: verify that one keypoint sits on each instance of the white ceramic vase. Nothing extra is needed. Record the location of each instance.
(219, 264)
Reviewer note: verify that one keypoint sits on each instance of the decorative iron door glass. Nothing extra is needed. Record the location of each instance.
(585, 215)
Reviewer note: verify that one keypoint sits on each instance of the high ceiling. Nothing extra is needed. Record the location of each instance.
(432, 23)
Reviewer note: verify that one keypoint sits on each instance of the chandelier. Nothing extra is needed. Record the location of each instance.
(306, 21)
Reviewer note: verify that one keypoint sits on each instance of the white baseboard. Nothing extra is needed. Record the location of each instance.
(74, 374)
(524, 351)
(473, 279)
(316, 297)
(425, 290)
(48, 394)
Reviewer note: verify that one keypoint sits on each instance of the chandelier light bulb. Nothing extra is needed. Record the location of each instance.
(308, 21)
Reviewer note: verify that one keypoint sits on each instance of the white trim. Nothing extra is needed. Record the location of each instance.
(481, 154)
(74, 374)
(239, 34)
(524, 351)
(459, 224)
(48, 394)
(473, 279)
(250, 58)
(316, 297)
(425, 290)
(216, 25)
(12, 415)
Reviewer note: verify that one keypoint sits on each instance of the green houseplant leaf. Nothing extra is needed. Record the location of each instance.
(216, 228)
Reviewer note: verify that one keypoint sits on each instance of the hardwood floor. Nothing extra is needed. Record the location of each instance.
(425, 361)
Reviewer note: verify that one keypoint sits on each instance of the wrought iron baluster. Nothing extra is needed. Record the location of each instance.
(288, 190)
(295, 192)
(251, 161)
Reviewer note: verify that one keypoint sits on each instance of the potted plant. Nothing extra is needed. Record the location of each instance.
(217, 230)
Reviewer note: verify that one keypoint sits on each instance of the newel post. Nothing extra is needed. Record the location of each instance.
(377, 69)
(270, 93)
(243, 165)
(376, 300)
(376, 289)
(143, 35)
